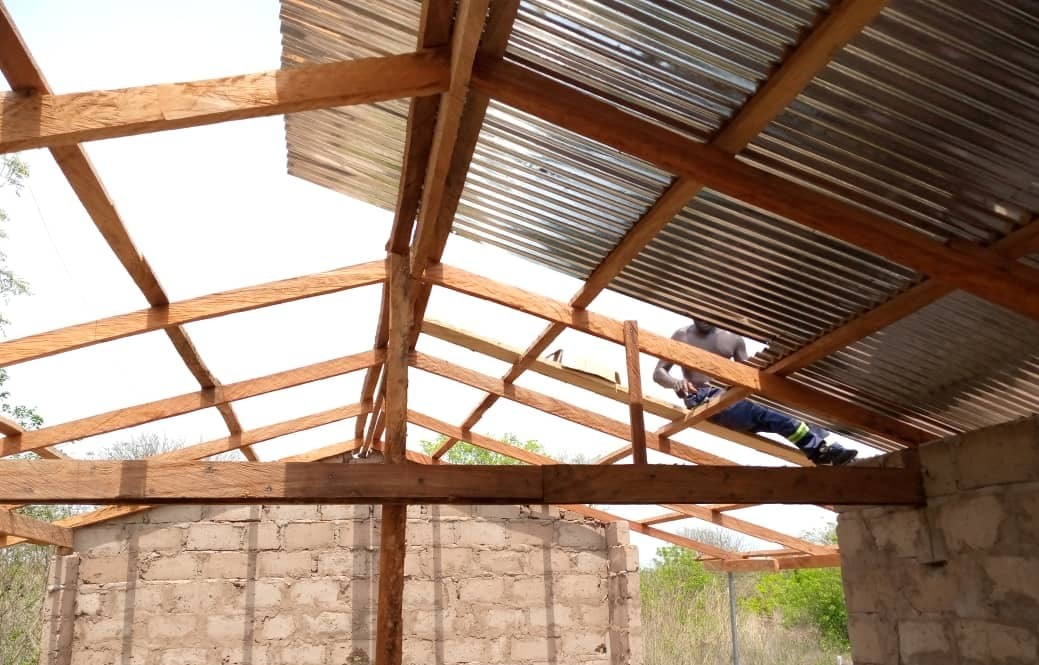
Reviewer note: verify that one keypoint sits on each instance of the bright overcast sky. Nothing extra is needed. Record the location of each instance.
(212, 208)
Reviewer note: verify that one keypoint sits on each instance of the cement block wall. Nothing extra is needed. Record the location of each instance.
(258, 585)
(955, 582)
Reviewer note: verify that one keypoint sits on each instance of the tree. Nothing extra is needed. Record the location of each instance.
(23, 567)
(467, 453)
(813, 597)
(13, 173)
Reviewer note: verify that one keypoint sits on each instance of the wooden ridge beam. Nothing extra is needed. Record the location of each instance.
(749, 528)
(558, 408)
(435, 223)
(434, 31)
(40, 120)
(33, 530)
(966, 266)
(185, 311)
(607, 389)
(774, 387)
(173, 406)
(143, 481)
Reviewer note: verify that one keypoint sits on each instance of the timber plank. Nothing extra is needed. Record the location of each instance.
(142, 481)
(33, 530)
(173, 406)
(196, 309)
(775, 387)
(43, 120)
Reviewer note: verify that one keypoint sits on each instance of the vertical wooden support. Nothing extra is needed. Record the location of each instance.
(638, 423)
(389, 628)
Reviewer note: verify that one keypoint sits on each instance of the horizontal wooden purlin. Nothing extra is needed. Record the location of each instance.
(558, 408)
(142, 481)
(774, 564)
(774, 387)
(175, 406)
(37, 121)
(981, 271)
(607, 389)
(33, 530)
(186, 311)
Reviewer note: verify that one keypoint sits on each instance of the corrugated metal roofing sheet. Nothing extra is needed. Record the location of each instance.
(925, 117)
(550, 195)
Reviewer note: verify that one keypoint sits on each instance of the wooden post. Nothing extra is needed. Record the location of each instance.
(389, 628)
(638, 423)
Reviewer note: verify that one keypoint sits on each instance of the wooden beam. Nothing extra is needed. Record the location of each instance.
(638, 424)
(980, 271)
(33, 530)
(557, 407)
(9, 427)
(606, 389)
(432, 230)
(196, 309)
(485, 442)
(237, 441)
(393, 529)
(165, 408)
(635, 525)
(434, 31)
(42, 120)
(142, 481)
(23, 74)
(774, 387)
(750, 528)
(774, 564)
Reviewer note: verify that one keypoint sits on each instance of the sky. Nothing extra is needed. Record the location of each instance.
(212, 208)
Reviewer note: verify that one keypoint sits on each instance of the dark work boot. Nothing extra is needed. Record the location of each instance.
(834, 454)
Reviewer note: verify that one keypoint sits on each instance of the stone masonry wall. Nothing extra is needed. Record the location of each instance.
(298, 584)
(955, 582)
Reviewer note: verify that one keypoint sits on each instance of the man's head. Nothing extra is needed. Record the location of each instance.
(703, 326)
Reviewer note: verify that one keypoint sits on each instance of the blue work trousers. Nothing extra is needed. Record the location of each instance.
(747, 416)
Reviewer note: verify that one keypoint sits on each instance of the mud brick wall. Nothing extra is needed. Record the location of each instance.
(955, 582)
(259, 585)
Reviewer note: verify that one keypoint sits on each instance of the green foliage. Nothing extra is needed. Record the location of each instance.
(467, 453)
(811, 597)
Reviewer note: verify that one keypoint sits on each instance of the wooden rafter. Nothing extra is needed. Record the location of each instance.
(173, 406)
(606, 389)
(774, 387)
(845, 21)
(638, 425)
(558, 408)
(185, 311)
(750, 528)
(143, 481)
(44, 120)
(775, 564)
(963, 265)
(33, 530)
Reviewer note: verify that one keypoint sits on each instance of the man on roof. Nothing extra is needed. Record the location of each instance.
(744, 416)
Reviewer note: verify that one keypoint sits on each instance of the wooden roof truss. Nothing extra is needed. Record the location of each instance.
(456, 69)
